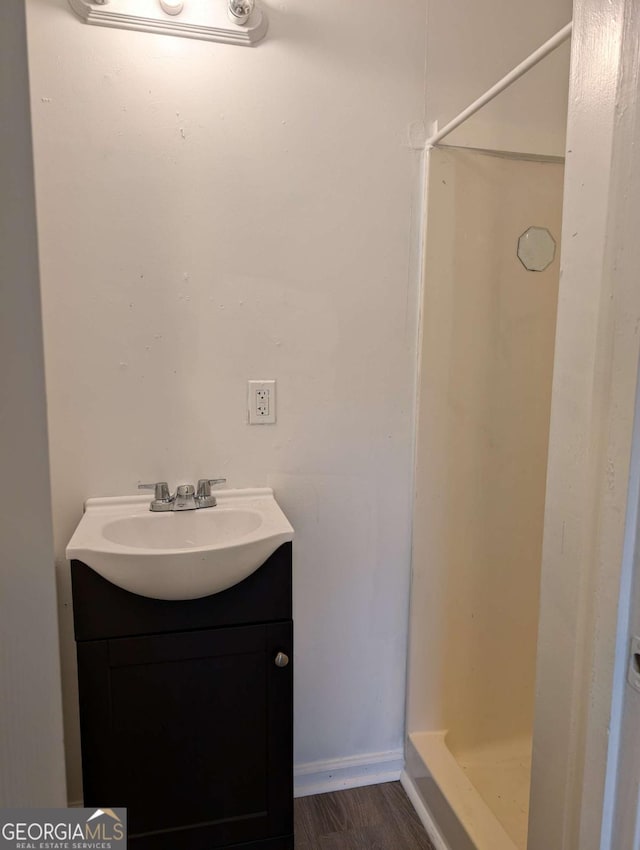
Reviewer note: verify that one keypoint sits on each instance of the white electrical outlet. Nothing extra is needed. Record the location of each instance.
(262, 402)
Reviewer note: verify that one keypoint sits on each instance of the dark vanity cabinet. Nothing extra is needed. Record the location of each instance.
(186, 710)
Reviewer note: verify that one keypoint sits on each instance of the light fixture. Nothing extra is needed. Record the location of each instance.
(240, 22)
(172, 7)
(240, 10)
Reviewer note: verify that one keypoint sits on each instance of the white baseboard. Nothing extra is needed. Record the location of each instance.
(423, 812)
(320, 777)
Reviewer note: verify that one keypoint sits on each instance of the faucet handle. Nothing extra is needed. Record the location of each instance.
(205, 485)
(161, 490)
(162, 500)
(204, 498)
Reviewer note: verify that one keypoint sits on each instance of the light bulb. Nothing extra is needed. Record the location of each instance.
(240, 10)
(172, 7)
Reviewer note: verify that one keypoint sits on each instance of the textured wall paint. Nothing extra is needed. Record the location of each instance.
(31, 746)
(471, 45)
(210, 214)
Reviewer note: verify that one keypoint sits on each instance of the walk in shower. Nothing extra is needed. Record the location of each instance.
(488, 324)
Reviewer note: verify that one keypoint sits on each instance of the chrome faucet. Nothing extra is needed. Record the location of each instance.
(204, 497)
(163, 500)
(186, 498)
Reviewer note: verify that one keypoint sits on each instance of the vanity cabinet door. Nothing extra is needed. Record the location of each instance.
(192, 732)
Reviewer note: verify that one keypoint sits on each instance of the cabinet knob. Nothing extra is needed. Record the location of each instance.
(282, 660)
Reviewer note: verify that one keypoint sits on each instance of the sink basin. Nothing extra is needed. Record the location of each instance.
(182, 530)
(181, 554)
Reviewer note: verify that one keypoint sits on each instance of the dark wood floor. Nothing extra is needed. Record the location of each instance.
(378, 817)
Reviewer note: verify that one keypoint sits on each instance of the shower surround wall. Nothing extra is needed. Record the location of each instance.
(208, 214)
(485, 390)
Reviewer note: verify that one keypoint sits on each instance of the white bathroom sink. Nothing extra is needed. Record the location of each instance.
(179, 554)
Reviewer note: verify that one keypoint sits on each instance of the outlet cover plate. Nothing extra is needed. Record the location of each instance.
(261, 402)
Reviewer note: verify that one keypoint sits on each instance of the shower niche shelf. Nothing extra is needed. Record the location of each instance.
(203, 19)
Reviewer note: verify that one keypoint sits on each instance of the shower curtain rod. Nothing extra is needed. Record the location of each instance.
(519, 71)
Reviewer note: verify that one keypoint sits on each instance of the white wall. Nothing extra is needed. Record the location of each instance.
(210, 214)
(471, 45)
(31, 746)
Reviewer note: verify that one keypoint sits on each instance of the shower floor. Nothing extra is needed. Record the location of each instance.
(485, 786)
(500, 771)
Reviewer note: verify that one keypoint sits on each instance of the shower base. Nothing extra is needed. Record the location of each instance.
(474, 798)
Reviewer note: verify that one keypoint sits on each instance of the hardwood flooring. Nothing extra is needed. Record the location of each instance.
(378, 817)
